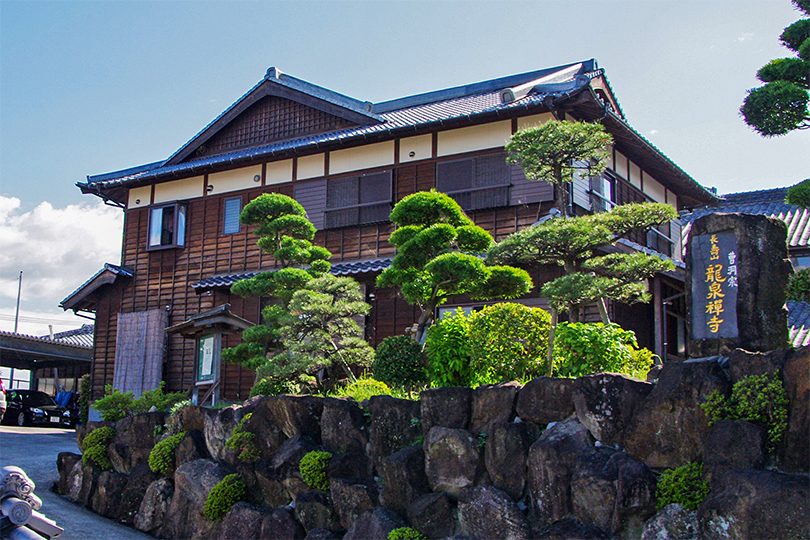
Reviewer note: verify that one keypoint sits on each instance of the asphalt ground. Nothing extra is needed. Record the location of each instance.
(34, 450)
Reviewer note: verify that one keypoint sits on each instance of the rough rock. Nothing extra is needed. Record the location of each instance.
(192, 483)
(550, 466)
(314, 509)
(669, 426)
(612, 492)
(453, 460)
(732, 445)
(293, 415)
(546, 399)
(756, 504)
(106, 498)
(351, 465)
(191, 448)
(154, 506)
(279, 477)
(493, 403)
(742, 363)
(672, 522)
(343, 426)
(374, 525)
(219, 426)
(488, 512)
(395, 424)
(605, 403)
(132, 496)
(65, 462)
(322, 534)
(571, 529)
(82, 483)
(281, 524)
(796, 378)
(447, 406)
(432, 515)
(190, 418)
(505, 454)
(242, 522)
(134, 439)
(403, 478)
(351, 498)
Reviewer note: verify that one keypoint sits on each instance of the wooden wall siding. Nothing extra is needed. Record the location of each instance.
(414, 178)
(525, 191)
(312, 196)
(270, 119)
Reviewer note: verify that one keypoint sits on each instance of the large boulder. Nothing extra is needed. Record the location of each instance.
(796, 378)
(605, 403)
(154, 506)
(65, 462)
(350, 465)
(219, 425)
(193, 482)
(352, 497)
(247, 522)
(732, 445)
(433, 515)
(82, 483)
(669, 426)
(672, 522)
(505, 454)
(493, 403)
(106, 498)
(453, 460)
(447, 406)
(546, 399)
(134, 440)
(742, 363)
(191, 448)
(550, 465)
(343, 426)
(403, 478)
(279, 477)
(314, 509)
(374, 525)
(395, 424)
(612, 492)
(571, 529)
(756, 504)
(488, 512)
(293, 415)
(138, 483)
(282, 525)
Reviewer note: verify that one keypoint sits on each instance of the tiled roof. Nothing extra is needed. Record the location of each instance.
(799, 323)
(74, 343)
(82, 337)
(338, 269)
(768, 202)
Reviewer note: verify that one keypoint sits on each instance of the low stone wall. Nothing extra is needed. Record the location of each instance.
(554, 459)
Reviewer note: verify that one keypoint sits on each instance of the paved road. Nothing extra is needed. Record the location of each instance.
(34, 450)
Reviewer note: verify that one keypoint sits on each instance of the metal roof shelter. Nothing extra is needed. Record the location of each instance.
(20, 351)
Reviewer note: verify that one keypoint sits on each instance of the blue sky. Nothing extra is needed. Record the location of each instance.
(91, 87)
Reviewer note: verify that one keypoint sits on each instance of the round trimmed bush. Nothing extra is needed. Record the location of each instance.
(399, 361)
(684, 486)
(313, 469)
(161, 458)
(225, 494)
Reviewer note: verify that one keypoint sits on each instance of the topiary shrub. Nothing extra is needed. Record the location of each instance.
(363, 389)
(405, 533)
(272, 386)
(399, 361)
(244, 441)
(585, 348)
(684, 486)
(116, 405)
(225, 494)
(313, 469)
(756, 398)
(508, 341)
(94, 447)
(161, 458)
(448, 350)
(798, 288)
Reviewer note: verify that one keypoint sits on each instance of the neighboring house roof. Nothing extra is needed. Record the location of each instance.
(799, 323)
(768, 202)
(581, 85)
(338, 269)
(29, 352)
(82, 337)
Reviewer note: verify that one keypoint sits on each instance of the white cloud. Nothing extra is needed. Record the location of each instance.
(57, 249)
(747, 36)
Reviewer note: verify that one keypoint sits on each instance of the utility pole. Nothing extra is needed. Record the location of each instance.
(17, 316)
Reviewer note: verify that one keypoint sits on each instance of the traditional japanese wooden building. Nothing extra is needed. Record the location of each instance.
(348, 162)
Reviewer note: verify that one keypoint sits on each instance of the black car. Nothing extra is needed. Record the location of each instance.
(31, 407)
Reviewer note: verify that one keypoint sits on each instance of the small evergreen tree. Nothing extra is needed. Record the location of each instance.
(436, 257)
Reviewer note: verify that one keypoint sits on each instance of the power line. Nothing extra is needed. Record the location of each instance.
(62, 322)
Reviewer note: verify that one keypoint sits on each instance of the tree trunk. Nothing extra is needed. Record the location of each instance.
(421, 326)
(602, 305)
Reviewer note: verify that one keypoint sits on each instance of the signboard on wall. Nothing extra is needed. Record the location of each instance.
(205, 358)
(714, 286)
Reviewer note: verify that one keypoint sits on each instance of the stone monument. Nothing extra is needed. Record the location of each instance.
(737, 273)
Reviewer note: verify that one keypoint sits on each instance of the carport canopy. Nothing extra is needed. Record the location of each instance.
(19, 351)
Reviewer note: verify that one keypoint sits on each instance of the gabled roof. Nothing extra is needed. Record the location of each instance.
(581, 87)
(79, 299)
(768, 202)
(82, 337)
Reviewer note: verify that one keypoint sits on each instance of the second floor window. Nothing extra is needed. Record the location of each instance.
(358, 200)
(167, 226)
(230, 223)
(475, 183)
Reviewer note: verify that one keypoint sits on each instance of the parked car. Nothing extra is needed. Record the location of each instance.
(32, 407)
(2, 400)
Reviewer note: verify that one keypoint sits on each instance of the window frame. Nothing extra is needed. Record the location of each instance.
(506, 184)
(387, 200)
(179, 224)
(225, 201)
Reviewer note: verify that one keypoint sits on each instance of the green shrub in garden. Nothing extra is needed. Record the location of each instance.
(399, 361)
(313, 469)
(448, 349)
(94, 447)
(225, 494)
(684, 486)
(405, 533)
(161, 458)
(757, 398)
(585, 348)
(244, 441)
(363, 389)
(798, 287)
(508, 341)
(116, 405)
